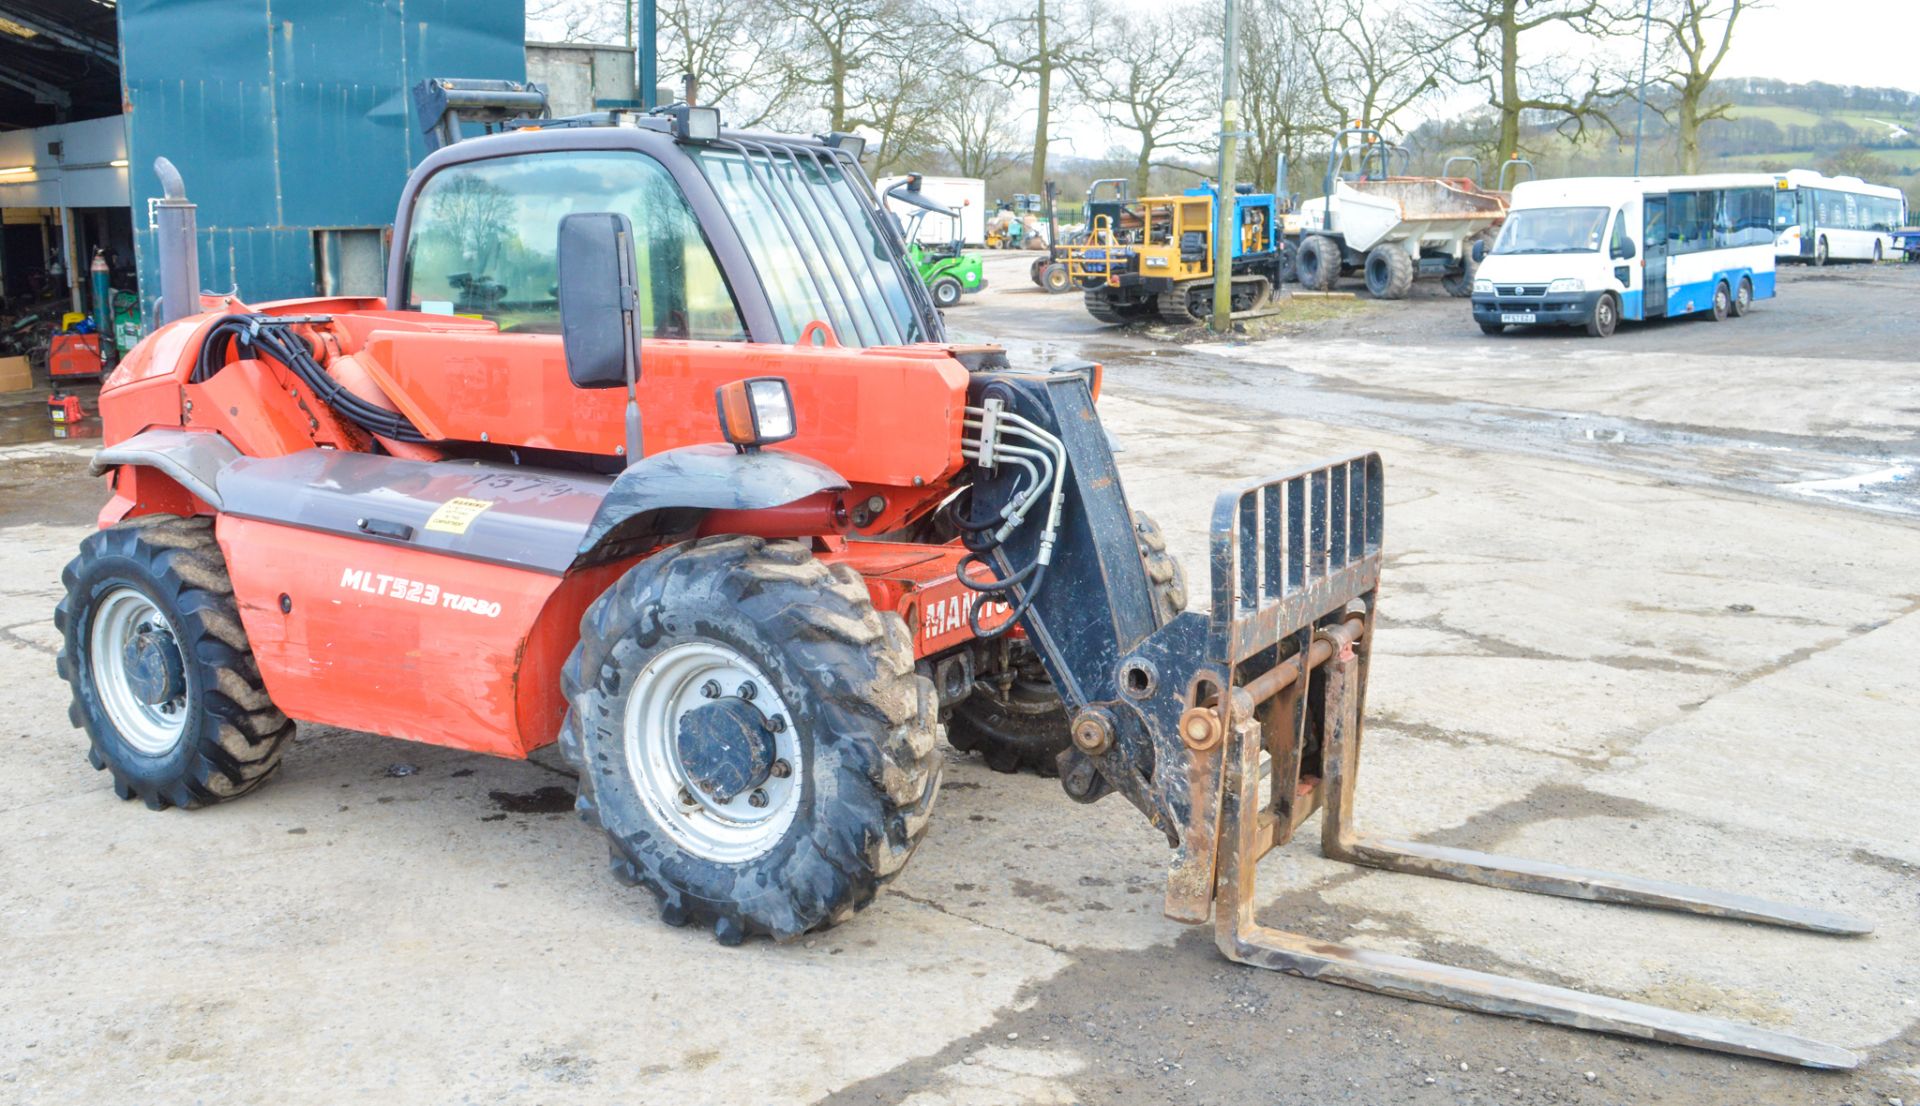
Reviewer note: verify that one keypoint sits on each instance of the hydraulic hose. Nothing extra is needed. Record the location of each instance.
(270, 335)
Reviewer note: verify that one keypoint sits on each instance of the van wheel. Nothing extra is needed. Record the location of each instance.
(1604, 317)
(1493, 328)
(1722, 302)
(1743, 299)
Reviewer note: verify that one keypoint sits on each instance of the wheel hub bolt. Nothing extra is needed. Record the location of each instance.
(710, 689)
(748, 691)
(758, 798)
(686, 797)
(781, 769)
(776, 724)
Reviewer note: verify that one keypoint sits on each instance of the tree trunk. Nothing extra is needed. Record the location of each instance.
(1142, 166)
(1037, 179)
(1509, 84)
(1690, 129)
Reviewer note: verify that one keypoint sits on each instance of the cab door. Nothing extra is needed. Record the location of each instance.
(1653, 265)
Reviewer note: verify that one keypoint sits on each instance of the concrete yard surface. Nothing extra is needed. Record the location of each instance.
(1659, 654)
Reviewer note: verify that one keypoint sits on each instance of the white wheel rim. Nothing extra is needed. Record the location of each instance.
(667, 688)
(153, 729)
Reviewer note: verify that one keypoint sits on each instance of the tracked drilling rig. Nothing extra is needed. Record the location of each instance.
(657, 449)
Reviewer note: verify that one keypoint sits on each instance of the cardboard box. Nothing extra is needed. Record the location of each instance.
(15, 376)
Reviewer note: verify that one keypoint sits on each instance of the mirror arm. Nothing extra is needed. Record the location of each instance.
(630, 322)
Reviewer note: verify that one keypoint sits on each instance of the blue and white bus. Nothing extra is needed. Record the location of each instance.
(1591, 251)
(1820, 219)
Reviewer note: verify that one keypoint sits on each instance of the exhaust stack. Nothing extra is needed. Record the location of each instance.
(177, 236)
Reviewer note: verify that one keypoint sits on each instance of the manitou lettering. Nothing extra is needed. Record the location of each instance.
(944, 616)
(415, 591)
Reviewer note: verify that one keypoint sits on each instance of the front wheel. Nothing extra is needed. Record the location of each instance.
(946, 292)
(1491, 328)
(1318, 262)
(1820, 251)
(1055, 278)
(751, 735)
(164, 682)
(1604, 317)
(1389, 272)
(1743, 298)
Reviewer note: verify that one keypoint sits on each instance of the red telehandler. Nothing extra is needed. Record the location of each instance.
(657, 448)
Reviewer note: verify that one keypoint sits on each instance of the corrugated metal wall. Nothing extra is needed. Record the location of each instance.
(289, 115)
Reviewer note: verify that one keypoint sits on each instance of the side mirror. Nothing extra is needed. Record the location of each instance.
(599, 318)
(1625, 251)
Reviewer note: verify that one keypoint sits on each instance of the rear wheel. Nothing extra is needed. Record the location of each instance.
(1389, 273)
(1318, 263)
(1743, 297)
(946, 292)
(1014, 718)
(163, 679)
(1722, 302)
(751, 735)
(1055, 279)
(1605, 316)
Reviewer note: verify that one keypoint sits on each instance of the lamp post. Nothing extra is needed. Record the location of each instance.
(1223, 205)
(1640, 116)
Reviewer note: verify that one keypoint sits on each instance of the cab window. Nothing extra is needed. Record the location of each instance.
(482, 243)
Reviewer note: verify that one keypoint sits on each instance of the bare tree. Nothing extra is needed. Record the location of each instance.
(833, 40)
(1371, 63)
(1037, 44)
(734, 51)
(1153, 81)
(1695, 35)
(972, 122)
(1280, 104)
(1491, 43)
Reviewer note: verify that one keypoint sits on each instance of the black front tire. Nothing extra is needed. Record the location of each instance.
(1318, 263)
(1491, 328)
(1389, 272)
(230, 735)
(1023, 725)
(866, 726)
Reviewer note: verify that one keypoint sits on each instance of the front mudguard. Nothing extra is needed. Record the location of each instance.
(668, 493)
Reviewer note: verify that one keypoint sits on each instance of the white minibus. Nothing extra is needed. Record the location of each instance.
(1591, 251)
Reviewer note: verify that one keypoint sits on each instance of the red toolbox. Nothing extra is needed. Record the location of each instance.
(72, 355)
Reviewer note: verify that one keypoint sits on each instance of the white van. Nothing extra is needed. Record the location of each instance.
(1590, 251)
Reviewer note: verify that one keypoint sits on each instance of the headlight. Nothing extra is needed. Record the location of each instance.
(1483, 286)
(755, 412)
(1157, 262)
(1567, 284)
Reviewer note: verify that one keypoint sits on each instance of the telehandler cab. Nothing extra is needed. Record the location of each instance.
(657, 449)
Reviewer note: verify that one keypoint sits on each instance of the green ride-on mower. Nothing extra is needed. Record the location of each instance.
(945, 268)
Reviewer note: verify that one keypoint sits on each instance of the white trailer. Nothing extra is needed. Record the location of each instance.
(968, 195)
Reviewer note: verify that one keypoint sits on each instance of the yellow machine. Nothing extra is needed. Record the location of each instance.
(1167, 267)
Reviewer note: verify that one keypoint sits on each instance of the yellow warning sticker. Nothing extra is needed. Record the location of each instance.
(455, 515)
